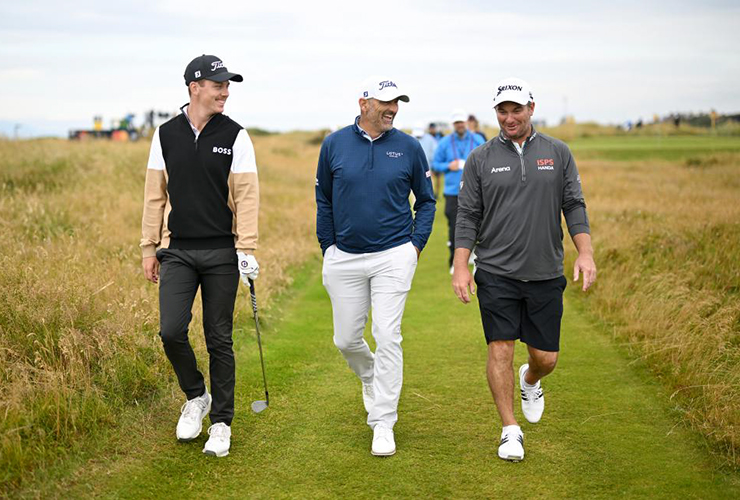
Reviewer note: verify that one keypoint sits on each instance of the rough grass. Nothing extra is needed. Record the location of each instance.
(78, 326)
(667, 239)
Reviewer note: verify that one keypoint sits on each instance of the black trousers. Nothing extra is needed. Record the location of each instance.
(451, 214)
(217, 274)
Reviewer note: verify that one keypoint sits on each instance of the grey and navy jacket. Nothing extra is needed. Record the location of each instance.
(363, 188)
(201, 189)
(510, 205)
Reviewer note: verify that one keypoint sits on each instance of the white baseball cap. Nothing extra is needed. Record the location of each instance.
(381, 88)
(459, 115)
(514, 90)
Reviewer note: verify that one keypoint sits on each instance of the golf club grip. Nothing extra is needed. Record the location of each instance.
(253, 295)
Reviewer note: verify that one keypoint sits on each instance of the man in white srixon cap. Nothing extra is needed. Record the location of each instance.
(514, 189)
(200, 226)
(371, 242)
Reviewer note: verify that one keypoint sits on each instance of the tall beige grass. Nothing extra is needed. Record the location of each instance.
(79, 323)
(667, 238)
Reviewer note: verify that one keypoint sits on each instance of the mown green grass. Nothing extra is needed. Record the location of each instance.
(608, 429)
(644, 148)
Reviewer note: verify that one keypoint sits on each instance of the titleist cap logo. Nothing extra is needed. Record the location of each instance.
(216, 65)
(382, 88)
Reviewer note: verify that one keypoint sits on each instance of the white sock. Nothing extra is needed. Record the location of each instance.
(511, 428)
(527, 386)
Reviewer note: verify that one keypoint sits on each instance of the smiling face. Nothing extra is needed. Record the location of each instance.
(377, 116)
(515, 120)
(209, 95)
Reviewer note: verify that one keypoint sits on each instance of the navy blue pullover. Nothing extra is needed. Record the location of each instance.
(363, 188)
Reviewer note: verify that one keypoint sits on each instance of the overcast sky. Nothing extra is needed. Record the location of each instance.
(61, 63)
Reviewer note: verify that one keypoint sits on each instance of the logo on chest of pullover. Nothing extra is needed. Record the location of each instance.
(497, 170)
(223, 151)
(545, 164)
(393, 154)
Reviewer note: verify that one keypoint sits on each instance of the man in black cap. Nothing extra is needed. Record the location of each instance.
(199, 229)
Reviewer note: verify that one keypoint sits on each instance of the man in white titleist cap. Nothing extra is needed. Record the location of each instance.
(514, 190)
(371, 242)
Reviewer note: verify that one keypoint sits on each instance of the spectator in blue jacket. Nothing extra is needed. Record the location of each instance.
(429, 144)
(371, 242)
(449, 159)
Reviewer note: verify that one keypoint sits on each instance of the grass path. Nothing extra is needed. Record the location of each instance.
(607, 431)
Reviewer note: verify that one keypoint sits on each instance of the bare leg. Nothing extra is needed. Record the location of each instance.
(500, 372)
(541, 363)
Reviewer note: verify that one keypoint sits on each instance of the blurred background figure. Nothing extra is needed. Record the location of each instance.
(449, 159)
(474, 127)
(435, 132)
(429, 144)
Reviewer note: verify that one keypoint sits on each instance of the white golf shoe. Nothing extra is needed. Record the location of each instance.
(512, 444)
(383, 443)
(368, 396)
(533, 400)
(219, 442)
(192, 414)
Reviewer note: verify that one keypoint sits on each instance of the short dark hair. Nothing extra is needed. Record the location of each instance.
(200, 84)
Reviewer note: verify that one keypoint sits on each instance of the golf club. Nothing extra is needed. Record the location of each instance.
(258, 406)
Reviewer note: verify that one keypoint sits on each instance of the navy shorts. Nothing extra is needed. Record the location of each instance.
(530, 311)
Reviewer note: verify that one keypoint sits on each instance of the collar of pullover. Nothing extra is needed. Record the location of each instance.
(505, 140)
(361, 132)
(197, 132)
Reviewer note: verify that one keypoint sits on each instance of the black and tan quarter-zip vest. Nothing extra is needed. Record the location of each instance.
(201, 192)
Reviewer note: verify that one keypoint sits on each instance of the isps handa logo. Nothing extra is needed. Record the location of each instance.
(545, 164)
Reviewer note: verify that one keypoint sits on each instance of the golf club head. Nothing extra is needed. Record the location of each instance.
(259, 406)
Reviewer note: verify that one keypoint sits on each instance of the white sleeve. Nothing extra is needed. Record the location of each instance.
(156, 160)
(243, 160)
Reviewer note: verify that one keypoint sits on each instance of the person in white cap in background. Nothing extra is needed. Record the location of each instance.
(449, 159)
(514, 190)
(371, 243)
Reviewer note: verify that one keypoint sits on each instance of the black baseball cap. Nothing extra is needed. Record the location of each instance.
(209, 68)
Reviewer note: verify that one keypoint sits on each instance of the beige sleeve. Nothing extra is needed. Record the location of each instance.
(244, 202)
(155, 199)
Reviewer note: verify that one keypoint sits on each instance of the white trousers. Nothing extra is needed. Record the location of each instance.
(355, 283)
